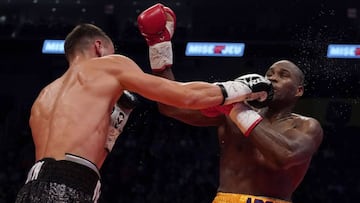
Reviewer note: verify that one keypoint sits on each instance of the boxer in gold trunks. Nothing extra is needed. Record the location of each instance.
(265, 148)
(242, 198)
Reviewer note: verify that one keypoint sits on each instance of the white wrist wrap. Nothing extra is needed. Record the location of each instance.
(119, 118)
(245, 118)
(236, 91)
(161, 55)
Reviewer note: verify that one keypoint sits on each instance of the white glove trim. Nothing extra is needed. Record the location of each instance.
(245, 118)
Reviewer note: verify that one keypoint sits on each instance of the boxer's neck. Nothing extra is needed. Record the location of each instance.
(278, 114)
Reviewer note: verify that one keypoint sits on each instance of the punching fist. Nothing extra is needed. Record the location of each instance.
(261, 88)
(157, 25)
(127, 100)
(119, 116)
(253, 88)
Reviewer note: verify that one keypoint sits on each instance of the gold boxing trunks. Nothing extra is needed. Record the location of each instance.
(222, 197)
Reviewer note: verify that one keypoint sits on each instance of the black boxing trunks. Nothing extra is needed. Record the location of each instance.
(222, 197)
(74, 179)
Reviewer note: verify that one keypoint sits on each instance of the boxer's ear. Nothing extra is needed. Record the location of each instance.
(299, 91)
(98, 48)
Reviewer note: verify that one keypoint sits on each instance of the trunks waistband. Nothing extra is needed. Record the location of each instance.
(73, 171)
(83, 161)
(244, 198)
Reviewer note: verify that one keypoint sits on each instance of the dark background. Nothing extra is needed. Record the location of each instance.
(161, 160)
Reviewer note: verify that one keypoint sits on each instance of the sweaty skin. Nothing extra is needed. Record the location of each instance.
(274, 159)
(72, 114)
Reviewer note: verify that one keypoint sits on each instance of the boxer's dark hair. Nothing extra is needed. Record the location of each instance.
(81, 36)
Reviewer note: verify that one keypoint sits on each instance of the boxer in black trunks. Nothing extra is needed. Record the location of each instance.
(70, 118)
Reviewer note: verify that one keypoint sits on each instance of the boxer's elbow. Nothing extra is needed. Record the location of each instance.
(299, 153)
(287, 159)
(282, 162)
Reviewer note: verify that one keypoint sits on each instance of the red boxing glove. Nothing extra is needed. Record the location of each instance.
(217, 110)
(157, 25)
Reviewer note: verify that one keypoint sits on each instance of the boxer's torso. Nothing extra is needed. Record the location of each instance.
(72, 115)
(242, 168)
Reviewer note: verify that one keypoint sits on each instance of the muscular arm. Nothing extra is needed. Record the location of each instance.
(282, 150)
(190, 95)
(191, 117)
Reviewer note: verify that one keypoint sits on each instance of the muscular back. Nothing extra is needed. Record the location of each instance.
(71, 115)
